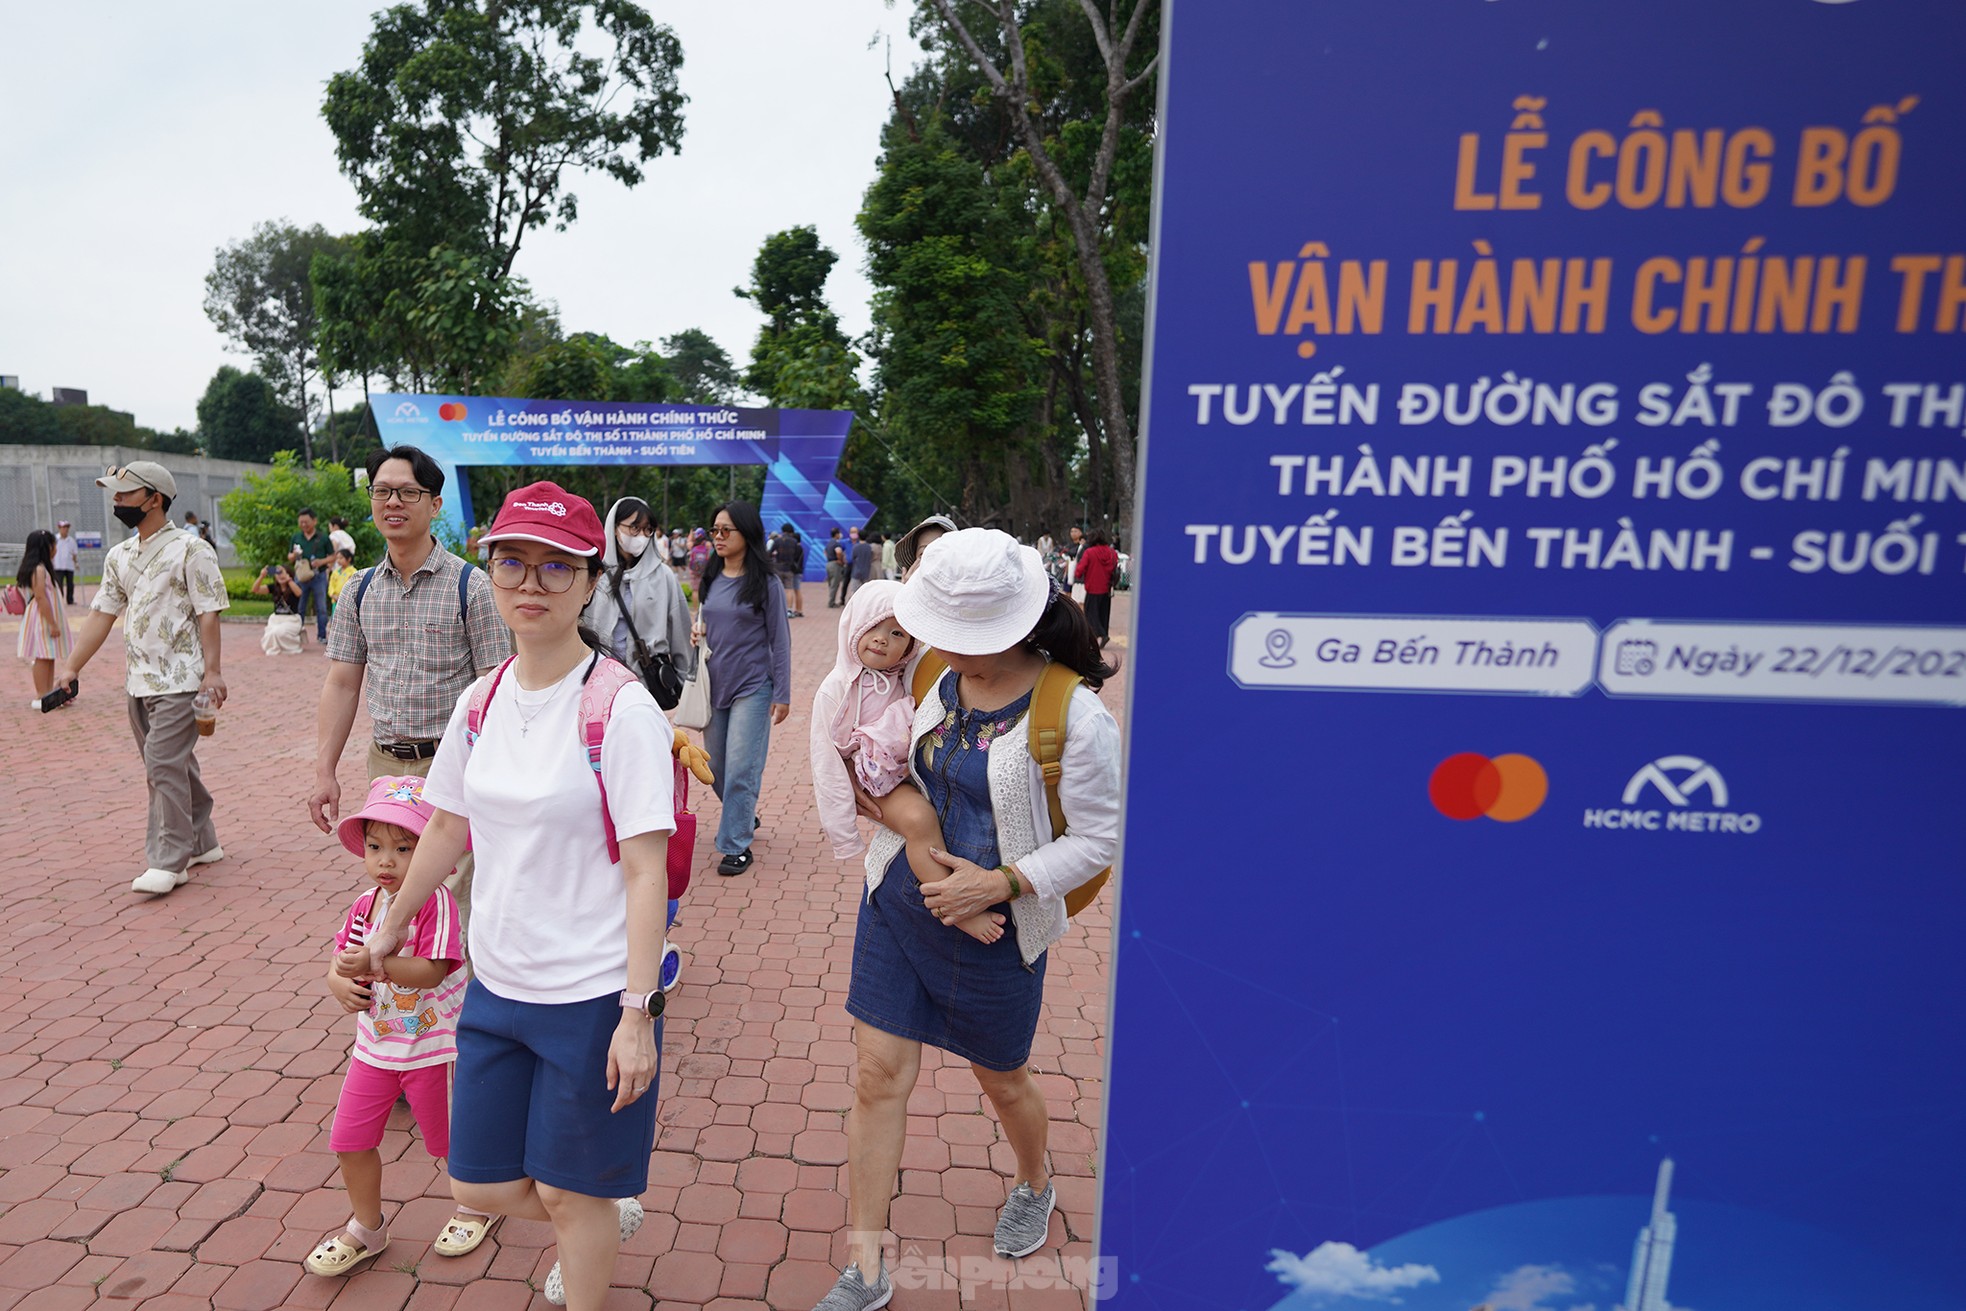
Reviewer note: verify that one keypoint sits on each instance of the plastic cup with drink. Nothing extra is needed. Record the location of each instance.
(205, 711)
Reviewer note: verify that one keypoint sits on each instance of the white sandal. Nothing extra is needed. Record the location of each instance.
(342, 1254)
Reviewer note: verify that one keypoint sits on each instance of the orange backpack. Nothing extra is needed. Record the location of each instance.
(1051, 701)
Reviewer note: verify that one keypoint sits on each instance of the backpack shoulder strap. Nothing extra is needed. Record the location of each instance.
(463, 593)
(481, 695)
(362, 587)
(1051, 707)
(929, 668)
(605, 678)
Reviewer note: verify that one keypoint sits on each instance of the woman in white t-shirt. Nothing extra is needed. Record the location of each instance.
(559, 1042)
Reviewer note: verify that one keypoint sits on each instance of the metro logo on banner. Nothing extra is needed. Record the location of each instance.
(1542, 868)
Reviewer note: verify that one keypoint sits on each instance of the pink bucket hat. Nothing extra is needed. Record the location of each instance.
(393, 799)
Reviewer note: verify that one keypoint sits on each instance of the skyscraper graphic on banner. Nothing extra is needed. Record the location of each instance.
(1652, 1254)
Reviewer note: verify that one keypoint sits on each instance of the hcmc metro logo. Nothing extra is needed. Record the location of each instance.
(1697, 774)
(1677, 781)
(408, 413)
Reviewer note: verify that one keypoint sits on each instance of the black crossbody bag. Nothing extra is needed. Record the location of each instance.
(659, 673)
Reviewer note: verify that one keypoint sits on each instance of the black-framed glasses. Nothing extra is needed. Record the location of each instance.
(554, 575)
(407, 495)
(723, 530)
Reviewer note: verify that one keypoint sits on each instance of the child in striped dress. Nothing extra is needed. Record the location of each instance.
(405, 1027)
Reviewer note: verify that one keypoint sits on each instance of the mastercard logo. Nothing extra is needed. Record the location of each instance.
(1505, 788)
(452, 410)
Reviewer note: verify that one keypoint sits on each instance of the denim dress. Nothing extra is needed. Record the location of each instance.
(918, 978)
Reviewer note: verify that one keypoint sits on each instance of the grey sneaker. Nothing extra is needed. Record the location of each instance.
(631, 1220)
(854, 1293)
(1025, 1221)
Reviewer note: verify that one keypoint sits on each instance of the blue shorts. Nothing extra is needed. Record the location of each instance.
(530, 1098)
(915, 977)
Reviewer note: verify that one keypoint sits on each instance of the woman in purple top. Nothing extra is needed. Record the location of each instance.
(741, 619)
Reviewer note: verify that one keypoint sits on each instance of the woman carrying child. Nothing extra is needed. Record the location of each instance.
(559, 1039)
(984, 603)
(861, 717)
(405, 1028)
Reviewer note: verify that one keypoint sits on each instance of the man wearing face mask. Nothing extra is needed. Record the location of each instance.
(167, 582)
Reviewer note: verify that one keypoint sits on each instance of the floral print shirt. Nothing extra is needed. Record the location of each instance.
(160, 587)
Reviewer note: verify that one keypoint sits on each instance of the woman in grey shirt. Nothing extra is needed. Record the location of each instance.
(639, 599)
(741, 619)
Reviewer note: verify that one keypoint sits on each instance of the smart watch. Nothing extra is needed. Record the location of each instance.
(647, 1003)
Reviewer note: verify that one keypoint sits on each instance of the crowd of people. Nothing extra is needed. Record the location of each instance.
(504, 958)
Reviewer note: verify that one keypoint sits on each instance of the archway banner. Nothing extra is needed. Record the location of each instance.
(800, 449)
(1548, 893)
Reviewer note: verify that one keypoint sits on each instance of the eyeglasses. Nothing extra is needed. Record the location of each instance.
(722, 530)
(407, 495)
(554, 575)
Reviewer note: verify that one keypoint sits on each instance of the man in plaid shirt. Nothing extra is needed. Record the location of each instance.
(422, 628)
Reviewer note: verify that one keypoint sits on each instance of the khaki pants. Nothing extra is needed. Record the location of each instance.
(459, 881)
(180, 824)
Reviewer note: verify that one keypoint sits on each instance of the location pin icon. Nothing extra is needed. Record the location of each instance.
(1277, 642)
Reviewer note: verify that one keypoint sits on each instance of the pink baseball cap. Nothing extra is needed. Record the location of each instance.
(547, 512)
(393, 799)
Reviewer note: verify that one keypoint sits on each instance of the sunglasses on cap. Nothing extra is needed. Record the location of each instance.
(118, 471)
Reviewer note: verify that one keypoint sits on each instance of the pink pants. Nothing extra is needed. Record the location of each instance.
(369, 1093)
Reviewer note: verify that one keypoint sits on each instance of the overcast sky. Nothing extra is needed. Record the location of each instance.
(135, 139)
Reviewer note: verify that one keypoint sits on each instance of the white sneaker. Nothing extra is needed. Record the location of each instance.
(157, 881)
(555, 1291)
(206, 857)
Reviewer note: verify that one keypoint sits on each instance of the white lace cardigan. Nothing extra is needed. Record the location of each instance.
(1052, 864)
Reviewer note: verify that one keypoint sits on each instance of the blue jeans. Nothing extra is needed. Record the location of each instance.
(737, 740)
(316, 589)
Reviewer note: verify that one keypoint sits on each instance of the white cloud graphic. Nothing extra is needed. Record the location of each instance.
(1341, 1270)
(1525, 1288)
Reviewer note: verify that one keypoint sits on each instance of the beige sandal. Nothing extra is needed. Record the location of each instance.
(462, 1234)
(341, 1254)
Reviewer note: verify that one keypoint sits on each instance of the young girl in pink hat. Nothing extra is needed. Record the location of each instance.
(406, 1009)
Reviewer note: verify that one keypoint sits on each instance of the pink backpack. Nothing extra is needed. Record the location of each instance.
(605, 678)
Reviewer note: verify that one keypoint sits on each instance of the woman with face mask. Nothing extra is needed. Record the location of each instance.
(638, 611)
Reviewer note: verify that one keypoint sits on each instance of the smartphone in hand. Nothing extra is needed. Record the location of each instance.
(58, 698)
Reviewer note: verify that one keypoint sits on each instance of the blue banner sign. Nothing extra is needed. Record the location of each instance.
(800, 449)
(1546, 818)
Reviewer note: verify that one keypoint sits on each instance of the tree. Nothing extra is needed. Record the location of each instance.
(28, 420)
(261, 509)
(260, 293)
(240, 417)
(459, 129)
(702, 370)
(788, 285)
(1074, 165)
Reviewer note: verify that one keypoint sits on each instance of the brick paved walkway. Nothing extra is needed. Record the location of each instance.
(168, 1067)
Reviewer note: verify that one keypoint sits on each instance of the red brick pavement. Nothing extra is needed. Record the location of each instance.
(169, 1066)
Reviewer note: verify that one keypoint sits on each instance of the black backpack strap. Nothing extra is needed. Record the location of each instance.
(464, 595)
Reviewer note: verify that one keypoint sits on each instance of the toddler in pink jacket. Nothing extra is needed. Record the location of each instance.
(862, 731)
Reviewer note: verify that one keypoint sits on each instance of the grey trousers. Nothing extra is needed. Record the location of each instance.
(459, 880)
(180, 824)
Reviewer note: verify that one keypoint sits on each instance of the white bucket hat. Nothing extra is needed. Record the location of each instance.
(975, 591)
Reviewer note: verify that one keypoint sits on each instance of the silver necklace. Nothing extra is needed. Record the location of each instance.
(525, 720)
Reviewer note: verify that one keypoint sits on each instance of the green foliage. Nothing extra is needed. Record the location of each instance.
(28, 420)
(261, 509)
(260, 293)
(788, 285)
(701, 369)
(241, 417)
(459, 129)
